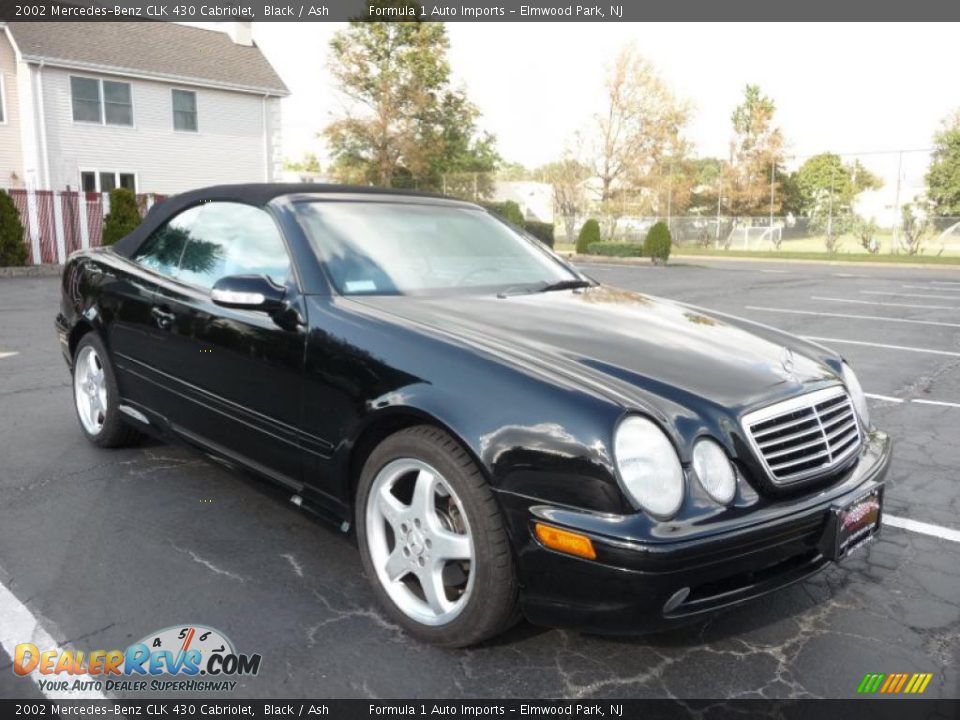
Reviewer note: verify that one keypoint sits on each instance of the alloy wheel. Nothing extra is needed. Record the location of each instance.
(90, 390)
(419, 541)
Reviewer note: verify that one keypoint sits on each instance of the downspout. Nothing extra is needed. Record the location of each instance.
(42, 128)
(266, 140)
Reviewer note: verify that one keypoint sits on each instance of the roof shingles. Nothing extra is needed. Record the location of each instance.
(155, 49)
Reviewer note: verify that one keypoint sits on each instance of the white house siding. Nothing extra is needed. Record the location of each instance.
(229, 147)
(11, 156)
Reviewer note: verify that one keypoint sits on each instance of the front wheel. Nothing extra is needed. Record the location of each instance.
(432, 540)
(96, 397)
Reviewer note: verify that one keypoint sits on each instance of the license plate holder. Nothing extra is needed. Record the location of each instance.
(853, 524)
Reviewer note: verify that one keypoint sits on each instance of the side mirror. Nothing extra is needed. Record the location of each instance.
(248, 292)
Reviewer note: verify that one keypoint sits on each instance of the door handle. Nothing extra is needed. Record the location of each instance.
(163, 318)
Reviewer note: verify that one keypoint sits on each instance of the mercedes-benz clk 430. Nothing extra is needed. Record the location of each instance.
(506, 437)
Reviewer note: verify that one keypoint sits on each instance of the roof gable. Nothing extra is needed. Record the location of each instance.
(161, 50)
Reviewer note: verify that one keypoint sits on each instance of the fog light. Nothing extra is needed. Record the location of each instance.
(565, 541)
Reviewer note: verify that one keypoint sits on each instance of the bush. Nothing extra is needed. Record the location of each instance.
(540, 230)
(13, 249)
(589, 235)
(123, 217)
(508, 210)
(657, 244)
(615, 249)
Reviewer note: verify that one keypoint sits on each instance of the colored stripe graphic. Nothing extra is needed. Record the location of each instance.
(894, 683)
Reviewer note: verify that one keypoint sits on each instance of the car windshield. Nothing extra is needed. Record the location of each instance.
(385, 248)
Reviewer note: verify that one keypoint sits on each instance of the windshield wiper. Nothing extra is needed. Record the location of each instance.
(571, 284)
(565, 285)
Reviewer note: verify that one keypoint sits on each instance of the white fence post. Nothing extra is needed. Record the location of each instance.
(33, 220)
(58, 228)
(84, 225)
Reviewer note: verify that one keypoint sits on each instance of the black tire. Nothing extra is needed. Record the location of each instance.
(492, 606)
(115, 431)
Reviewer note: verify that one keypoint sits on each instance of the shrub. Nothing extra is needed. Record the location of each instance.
(615, 249)
(508, 210)
(13, 249)
(123, 217)
(657, 244)
(589, 235)
(540, 230)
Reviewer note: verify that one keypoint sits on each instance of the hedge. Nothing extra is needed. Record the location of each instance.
(589, 235)
(540, 230)
(657, 244)
(13, 249)
(615, 249)
(508, 210)
(123, 218)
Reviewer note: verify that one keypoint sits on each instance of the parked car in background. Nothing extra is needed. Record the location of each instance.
(506, 436)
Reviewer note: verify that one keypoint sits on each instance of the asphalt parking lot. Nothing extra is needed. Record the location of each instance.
(104, 547)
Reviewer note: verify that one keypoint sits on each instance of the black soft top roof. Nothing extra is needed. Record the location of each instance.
(258, 194)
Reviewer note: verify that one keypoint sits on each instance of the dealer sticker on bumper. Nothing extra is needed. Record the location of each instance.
(854, 524)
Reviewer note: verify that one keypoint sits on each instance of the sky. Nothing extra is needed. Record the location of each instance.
(847, 88)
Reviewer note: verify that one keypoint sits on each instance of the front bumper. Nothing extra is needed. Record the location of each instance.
(642, 583)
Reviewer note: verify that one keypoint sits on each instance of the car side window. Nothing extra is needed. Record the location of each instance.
(233, 239)
(163, 249)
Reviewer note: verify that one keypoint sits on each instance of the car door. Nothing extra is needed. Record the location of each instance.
(127, 306)
(233, 377)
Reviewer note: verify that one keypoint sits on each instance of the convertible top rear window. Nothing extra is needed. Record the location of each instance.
(382, 248)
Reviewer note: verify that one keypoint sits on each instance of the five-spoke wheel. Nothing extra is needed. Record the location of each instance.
(433, 541)
(90, 389)
(420, 541)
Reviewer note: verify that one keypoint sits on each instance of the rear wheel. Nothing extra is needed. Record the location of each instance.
(96, 398)
(432, 540)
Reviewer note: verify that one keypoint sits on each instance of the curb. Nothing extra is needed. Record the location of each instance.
(31, 271)
(645, 262)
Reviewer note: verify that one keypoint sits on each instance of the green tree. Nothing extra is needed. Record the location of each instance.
(827, 189)
(13, 250)
(589, 234)
(309, 164)
(756, 153)
(404, 124)
(123, 217)
(656, 245)
(943, 176)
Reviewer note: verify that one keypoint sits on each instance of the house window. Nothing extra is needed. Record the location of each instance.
(185, 110)
(101, 101)
(106, 180)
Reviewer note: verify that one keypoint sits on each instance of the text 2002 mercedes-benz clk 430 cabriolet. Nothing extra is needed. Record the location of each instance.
(506, 436)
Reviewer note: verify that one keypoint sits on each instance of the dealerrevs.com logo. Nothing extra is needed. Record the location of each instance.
(188, 658)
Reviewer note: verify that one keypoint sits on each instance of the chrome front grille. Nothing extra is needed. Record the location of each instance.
(806, 436)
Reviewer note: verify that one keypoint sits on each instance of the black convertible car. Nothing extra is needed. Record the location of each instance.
(505, 435)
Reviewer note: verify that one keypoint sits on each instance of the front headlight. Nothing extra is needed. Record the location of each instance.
(649, 466)
(714, 471)
(857, 395)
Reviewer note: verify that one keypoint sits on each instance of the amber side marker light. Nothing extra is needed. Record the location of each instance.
(565, 541)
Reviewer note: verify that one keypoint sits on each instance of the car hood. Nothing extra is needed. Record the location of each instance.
(619, 340)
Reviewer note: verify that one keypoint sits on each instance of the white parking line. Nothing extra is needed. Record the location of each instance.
(937, 531)
(927, 287)
(775, 272)
(944, 282)
(916, 295)
(886, 304)
(906, 348)
(852, 317)
(19, 625)
(940, 403)
(885, 398)
(7, 354)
